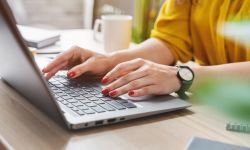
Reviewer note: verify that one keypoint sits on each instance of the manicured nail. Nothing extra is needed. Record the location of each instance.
(71, 74)
(105, 91)
(104, 81)
(113, 93)
(131, 93)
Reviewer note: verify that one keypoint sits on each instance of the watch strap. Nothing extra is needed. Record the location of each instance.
(185, 85)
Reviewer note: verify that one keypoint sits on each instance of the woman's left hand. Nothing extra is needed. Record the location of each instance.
(141, 77)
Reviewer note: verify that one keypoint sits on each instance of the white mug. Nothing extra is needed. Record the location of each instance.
(115, 31)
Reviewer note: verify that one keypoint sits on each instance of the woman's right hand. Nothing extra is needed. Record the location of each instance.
(79, 61)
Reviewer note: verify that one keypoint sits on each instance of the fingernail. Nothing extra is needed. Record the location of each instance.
(104, 81)
(105, 91)
(113, 93)
(131, 93)
(71, 74)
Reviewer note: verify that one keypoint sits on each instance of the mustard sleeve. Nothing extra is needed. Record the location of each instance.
(172, 27)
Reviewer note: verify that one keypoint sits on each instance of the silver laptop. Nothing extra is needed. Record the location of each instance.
(74, 104)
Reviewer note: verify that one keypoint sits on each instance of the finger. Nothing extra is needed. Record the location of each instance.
(79, 69)
(70, 55)
(61, 58)
(55, 70)
(136, 84)
(126, 79)
(144, 91)
(122, 69)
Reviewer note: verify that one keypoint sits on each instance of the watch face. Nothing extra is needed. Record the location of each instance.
(186, 74)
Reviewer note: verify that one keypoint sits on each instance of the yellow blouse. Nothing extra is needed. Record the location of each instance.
(189, 28)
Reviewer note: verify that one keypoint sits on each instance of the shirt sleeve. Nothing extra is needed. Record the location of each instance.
(172, 27)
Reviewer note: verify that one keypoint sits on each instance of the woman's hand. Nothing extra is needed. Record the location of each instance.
(141, 77)
(78, 61)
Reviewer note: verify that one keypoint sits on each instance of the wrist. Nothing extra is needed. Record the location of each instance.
(177, 82)
(119, 57)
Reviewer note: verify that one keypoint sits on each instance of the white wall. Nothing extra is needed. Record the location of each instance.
(55, 13)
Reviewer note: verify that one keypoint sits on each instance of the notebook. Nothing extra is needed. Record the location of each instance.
(38, 38)
(205, 144)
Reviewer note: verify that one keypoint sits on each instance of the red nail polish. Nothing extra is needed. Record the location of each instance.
(105, 91)
(71, 74)
(131, 93)
(113, 93)
(104, 81)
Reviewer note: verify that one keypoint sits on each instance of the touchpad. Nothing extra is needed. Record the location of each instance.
(140, 98)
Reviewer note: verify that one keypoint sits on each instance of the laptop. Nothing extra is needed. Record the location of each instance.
(73, 104)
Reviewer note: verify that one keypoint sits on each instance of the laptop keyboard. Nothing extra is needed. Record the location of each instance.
(84, 98)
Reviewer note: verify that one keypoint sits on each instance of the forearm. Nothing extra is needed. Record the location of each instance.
(152, 49)
(233, 71)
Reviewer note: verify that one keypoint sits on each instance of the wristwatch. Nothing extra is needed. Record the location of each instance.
(186, 77)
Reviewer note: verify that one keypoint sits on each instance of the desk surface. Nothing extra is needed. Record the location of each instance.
(25, 128)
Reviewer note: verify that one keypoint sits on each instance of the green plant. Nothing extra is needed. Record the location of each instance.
(230, 96)
(145, 15)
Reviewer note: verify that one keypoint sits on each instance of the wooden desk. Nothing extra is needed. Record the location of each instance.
(25, 128)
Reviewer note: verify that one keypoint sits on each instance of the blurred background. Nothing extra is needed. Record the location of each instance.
(64, 14)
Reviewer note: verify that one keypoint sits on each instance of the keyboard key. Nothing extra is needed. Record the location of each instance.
(89, 90)
(116, 105)
(71, 100)
(52, 80)
(80, 112)
(64, 102)
(54, 88)
(66, 97)
(93, 98)
(55, 83)
(66, 83)
(91, 104)
(95, 93)
(78, 104)
(77, 90)
(74, 95)
(63, 80)
(63, 89)
(106, 99)
(56, 96)
(75, 108)
(107, 107)
(98, 109)
(83, 107)
(69, 92)
(71, 87)
(100, 95)
(61, 94)
(59, 85)
(99, 102)
(85, 101)
(129, 105)
(80, 98)
(82, 92)
(121, 101)
(89, 111)
(87, 95)
(69, 105)
(59, 99)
